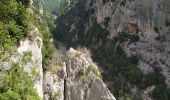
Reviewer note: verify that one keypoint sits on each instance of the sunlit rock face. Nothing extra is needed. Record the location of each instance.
(83, 82)
(78, 79)
(35, 64)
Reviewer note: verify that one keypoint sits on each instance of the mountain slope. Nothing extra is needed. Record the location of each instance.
(34, 66)
(129, 39)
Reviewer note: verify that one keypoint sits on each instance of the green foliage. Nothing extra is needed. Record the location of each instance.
(123, 36)
(124, 96)
(13, 23)
(85, 79)
(50, 20)
(96, 31)
(17, 85)
(107, 19)
(155, 78)
(55, 95)
(161, 92)
(134, 75)
(27, 57)
(95, 71)
(26, 3)
(81, 72)
(66, 20)
(35, 74)
(48, 46)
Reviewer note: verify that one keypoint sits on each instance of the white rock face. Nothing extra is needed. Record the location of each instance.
(87, 86)
(54, 84)
(36, 64)
(69, 84)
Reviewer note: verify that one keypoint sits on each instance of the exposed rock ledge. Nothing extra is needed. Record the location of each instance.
(81, 80)
(84, 87)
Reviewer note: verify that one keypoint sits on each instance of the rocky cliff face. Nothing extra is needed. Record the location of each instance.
(145, 25)
(149, 17)
(34, 65)
(83, 82)
(78, 79)
(74, 78)
(28, 55)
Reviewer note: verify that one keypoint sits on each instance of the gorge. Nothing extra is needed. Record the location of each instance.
(84, 50)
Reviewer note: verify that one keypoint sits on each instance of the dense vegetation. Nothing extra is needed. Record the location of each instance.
(13, 23)
(122, 70)
(46, 25)
(17, 85)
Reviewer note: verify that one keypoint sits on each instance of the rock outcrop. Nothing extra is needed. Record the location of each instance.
(78, 79)
(34, 65)
(96, 24)
(83, 82)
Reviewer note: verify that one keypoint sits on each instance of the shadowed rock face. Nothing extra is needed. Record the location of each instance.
(149, 20)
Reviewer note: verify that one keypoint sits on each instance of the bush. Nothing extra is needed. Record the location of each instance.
(123, 36)
(106, 21)
(135, 76)
(27, 57)
(13, 22)
(95, 71)
(85, 79)
(35, 74)
(17, 85)
(160, 93)
(81, 72)
(134, 59)
(26, 3)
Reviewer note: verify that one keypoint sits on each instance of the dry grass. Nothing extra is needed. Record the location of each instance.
(54, 69)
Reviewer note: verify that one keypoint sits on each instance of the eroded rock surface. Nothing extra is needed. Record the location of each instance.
(83, 82)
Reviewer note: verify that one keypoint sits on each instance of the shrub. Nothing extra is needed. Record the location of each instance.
(14, 20)
(27, 57)
(85, 79)
(106, 21)
(35, 74)
(81, 72)
(160, 93)
(134, 38)
(95, 71)
(134, 59)
(55, 95)
(17, 85)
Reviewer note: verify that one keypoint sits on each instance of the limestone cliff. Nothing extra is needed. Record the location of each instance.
(139, 28)
(83, 82)
(34, 66)
(79, 79)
